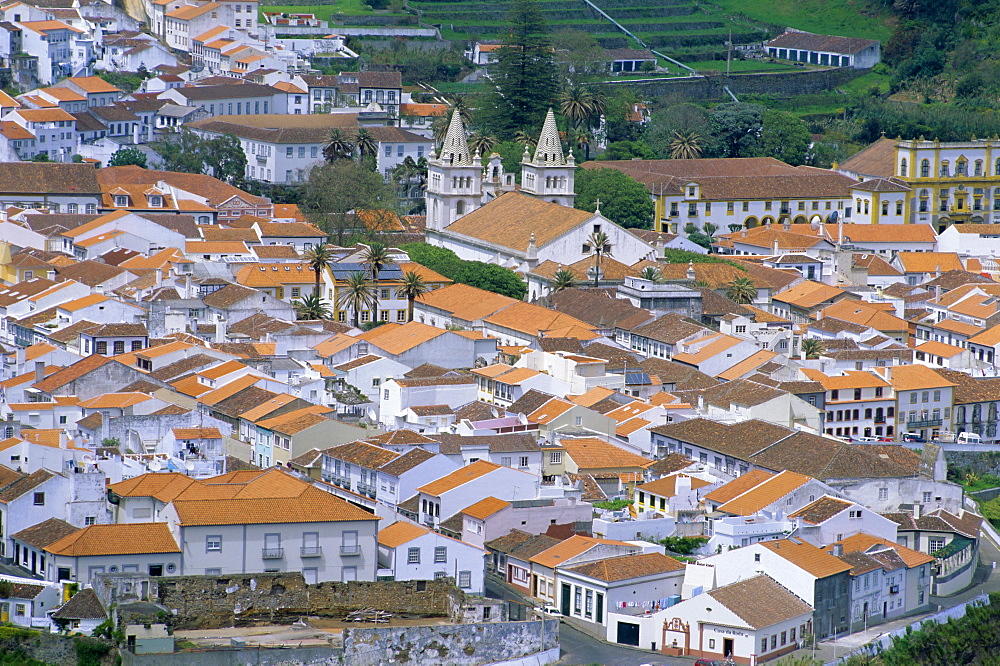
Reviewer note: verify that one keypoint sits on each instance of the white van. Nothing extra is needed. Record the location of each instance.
(969, 438)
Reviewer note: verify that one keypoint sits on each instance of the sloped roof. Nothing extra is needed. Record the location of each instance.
(511, 219)
(761, 601)
(616, 569)
(116, 539)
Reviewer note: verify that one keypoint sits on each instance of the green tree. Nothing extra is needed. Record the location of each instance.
(563, 279)
(376, 256)
(312, 306)
(411, 288)
(651, 273)
(490, 277)
(600, 246)
(738, 128)
(628, 150)
(577, 54)
(813, 347)
(127, 156)
(523, 73)
(578, 105)
(784, 137)
(41, 157)
(365, 143)
(741, 290)
(686, 145)
(318, 258)
(181, 151)
(336, 189)
(481, 143)
(357, 294)
(225, 158)
(338, 146)
(624, 200)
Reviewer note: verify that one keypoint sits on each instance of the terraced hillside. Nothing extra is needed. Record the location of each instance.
(685, 29)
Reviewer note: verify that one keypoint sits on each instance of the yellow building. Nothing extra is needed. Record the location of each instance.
(939, 183)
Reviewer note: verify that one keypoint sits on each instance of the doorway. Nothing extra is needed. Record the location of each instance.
(628, 633)
(727, 647)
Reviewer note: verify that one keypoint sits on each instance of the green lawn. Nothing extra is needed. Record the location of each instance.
(847, 18)
(323, 11)
(739, 66)
(865, 82)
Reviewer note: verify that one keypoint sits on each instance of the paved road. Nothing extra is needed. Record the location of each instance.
(579, 648)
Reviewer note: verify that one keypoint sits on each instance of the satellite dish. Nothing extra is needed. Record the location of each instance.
(155, 466)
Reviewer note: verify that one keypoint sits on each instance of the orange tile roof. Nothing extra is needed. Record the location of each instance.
(45, 115)
(987, 338)
(738, 486)
(465, 302)
(296, 421)
(197, 433)
(534, 320)
(808, 294)
(590, 453)
(939, 349)
(230, 389)
(265, 408)
(864, 314)
(400, 532)
(93, 84)
(223, 369)
(459, 477)
(851, 379)
(807, 557)
(765, 494)
(399, 338)
(571, 547)
(270, 275)
(747, 365)
(485, 508)
(913, 377)
(36, 350)
(216, 247)
(164, 487)
(628, 411)
(862, 542)
(44, 27)
(549, 411)
(115, 400)
(667, 486)
(593, 396)
(718, 344)
(929, 262)
(116, 539)
(427, 274)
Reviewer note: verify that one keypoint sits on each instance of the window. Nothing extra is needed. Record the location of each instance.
(925, 168)
(883, 494)
(39, 499)
(935, 544)
(213, 542)
(555, 457)
(927, 497)
(90, 520)
(756, 557)
(913, 398)
(413, 556)
(465, 579)
(524, 461)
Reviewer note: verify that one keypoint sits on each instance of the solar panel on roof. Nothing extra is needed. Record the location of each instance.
(639, 378)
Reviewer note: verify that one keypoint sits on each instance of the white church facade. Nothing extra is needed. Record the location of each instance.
(481, 215)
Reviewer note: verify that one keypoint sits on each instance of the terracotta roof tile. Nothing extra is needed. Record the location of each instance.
(116, 539)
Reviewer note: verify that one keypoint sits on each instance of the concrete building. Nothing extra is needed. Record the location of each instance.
(413, 552)
(824, 49)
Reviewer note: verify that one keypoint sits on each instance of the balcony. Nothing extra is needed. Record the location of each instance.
(311, 551)
(346, 551)
(366, 489)
(272, 553)
(879, 419)
(924, 423)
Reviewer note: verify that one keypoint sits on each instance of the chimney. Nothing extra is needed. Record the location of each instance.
(838, 549)
(787, 224)
(743, 232)
(39, 371)
(221, 329)
(682, 484)
(774, 247)
(690, 274)
(917, 510)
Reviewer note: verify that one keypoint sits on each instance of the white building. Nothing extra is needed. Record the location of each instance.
(412, 552)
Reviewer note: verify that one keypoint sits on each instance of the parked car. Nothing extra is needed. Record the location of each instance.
(913, 437)
(547, 610)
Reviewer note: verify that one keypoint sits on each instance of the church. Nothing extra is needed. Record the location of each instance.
(479, 213)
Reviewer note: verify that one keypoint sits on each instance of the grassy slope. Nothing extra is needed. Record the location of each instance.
(850, 18)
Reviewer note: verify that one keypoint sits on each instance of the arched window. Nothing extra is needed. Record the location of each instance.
(866, 206)
(996, 167)
(978, 168)
(460, 207)
(945, 168)
(977, 413)
(925, 168)
(993, 411)
(961, 167)
(902, 167)
(960, 414)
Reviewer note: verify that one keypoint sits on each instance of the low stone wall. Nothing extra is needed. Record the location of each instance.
(303, 656)
(47, 647)
(469, 644)
(210, 602)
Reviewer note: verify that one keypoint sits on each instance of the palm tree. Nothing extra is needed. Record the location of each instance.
(813, 347)
(376, 257)
(411, 288)
(338, 146)
(709, 228)
(318, 258)
(563, 279)
(686, 145)
(652, 273)
(440, 127)
(460, 103)
(312, 306)
(733, 228)
(481, 143)
(365, 143)
(529, 140)
(577, 105)
(600, 246)
(741, 290)
(357, 294)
